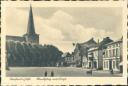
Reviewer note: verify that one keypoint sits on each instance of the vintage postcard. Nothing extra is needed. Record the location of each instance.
(64, 43)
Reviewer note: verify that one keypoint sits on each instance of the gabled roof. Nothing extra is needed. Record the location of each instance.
(83, 46)
(91, 41)
(104, 42)
(118, 40)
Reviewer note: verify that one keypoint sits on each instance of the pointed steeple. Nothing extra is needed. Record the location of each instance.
(30, 27)
(31, 36)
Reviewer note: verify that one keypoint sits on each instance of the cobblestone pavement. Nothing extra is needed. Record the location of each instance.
(57, 72)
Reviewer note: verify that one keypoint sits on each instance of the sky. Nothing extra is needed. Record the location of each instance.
(62, 26)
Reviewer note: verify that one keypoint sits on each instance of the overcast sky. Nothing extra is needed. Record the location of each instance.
(64, 26)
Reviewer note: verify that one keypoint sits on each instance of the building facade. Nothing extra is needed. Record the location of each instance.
(95, 58)
(104, 55)
(92, 58)
(66, 60)
(30, 36)
(113, 56)
(80, 53)
(95, 55)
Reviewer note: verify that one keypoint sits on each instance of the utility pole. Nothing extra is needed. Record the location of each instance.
(80, 54)
(92, 61)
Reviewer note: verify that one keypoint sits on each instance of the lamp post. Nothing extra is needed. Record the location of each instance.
(80, 54)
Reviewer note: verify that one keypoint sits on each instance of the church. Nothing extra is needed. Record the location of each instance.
(30, 36)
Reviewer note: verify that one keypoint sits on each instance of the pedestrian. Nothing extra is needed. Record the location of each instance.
(52, 74)
(45, 74)
(111, 71)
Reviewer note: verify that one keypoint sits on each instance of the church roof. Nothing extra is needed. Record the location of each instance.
(30, 27)
(15, 38)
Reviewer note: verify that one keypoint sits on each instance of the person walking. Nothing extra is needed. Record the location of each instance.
(52, 74)
(45, 74)
(111, 71)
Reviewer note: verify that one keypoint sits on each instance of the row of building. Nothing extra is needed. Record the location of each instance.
(104, 55)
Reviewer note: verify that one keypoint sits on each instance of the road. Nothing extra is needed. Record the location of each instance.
(58, 72)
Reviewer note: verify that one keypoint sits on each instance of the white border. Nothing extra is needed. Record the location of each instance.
(69, 80)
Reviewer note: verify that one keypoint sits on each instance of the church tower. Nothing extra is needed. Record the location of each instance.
(31, 36)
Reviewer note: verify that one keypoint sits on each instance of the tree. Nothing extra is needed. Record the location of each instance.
(27, 54)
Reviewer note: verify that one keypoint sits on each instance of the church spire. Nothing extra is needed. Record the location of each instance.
(31, 36)
(30, 27)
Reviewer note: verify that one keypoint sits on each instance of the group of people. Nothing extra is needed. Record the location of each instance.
(46, 74)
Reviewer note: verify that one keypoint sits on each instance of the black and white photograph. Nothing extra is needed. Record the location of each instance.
(63, 41)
